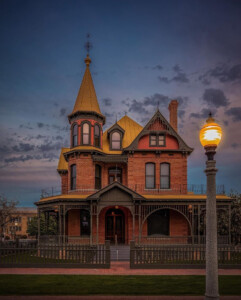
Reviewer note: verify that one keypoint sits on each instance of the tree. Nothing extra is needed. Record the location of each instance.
(51, 229)
(236, 219)
(7, 210)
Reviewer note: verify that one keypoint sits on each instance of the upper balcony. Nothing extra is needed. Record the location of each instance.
(139, 188)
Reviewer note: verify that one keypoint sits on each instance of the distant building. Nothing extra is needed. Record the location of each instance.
(17, 226)
(128, 182)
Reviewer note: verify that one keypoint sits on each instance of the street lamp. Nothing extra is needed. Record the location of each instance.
(210, 136)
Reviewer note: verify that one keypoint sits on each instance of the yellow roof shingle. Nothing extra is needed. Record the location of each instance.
(63, 165)
(86, 99)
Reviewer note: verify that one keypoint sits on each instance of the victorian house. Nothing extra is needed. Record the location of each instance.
(125, 183)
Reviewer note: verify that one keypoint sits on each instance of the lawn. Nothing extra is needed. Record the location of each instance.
(112, 285)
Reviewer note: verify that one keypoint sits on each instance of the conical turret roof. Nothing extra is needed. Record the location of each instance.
(86, 100)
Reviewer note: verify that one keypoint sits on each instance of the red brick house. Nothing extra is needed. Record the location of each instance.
(125, 183)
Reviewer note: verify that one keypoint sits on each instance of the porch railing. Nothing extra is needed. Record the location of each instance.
(178, 240)
(139, 188)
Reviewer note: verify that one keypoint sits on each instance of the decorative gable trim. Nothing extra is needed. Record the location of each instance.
(115, 184)
(114, 128)
(183, 147)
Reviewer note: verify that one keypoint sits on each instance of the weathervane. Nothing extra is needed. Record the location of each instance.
(88, 44)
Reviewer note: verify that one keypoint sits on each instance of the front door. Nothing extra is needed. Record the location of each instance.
(115, 226)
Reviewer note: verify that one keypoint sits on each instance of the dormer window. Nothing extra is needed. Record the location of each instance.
(97, 135)
(115, 141)
(75, 135)
(85, 134)
(157, 140)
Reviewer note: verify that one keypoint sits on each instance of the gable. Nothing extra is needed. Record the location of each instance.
(116, 196)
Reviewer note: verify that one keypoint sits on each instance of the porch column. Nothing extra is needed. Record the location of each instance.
(229, 224)
(97, 227)
(38, 225)
(139, 219)
(60, 222)
(64, 223)
(91, 225)
(133, 220)
(199, 216)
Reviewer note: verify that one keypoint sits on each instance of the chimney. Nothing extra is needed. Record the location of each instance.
(173, 113)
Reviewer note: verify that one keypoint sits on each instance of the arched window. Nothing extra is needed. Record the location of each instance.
(150, 176)
(84, 222)
(73, 177)
(97, 177)
(97, 135)
(85, 134)
(165, 176)
(75, 135)
(158, 223)
(115, 174)
(115, 141)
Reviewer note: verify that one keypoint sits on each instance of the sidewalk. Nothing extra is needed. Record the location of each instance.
(117, 268)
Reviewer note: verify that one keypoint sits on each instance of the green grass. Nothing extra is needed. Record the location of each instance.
(112, 285)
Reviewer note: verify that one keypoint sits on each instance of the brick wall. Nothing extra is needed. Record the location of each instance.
(171, 143)
(73, 222)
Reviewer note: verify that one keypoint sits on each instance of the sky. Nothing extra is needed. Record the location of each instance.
(144, 53)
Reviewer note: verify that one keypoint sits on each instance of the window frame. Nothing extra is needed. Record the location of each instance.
(157, 135)
(99, 144)
(114, 131)
(73, 178)
(98, 178)
(72, 135)
(82, 133)
(154, 175)
(115, 175)
(169, 176)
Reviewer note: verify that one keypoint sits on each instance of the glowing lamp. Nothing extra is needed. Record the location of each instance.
(210, 134)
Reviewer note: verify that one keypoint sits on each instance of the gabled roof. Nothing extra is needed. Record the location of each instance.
(131, 130)
(168, 128)
(113, 185)
(86, 100)
(63, 165)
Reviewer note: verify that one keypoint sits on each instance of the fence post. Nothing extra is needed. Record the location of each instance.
(132, 254)
(107, 253)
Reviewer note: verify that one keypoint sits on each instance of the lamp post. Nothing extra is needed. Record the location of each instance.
(210, 136)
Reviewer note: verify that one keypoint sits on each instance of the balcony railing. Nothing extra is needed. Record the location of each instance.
(139, 188)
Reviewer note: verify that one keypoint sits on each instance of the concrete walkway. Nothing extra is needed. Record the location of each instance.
(117, 268)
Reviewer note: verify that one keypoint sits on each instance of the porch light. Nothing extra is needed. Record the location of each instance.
(211, 133)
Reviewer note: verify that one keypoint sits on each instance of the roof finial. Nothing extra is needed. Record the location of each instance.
(158, 104)
(88, 46)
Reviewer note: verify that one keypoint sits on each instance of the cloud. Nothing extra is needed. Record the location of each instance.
(62, 112)
(181, 113)
(203, 114)
(158, 67)
(49, 146)
(235, 113)
(22, 147)
(21, 158)
(180, 76)
(107, 101)
(223, 73)
(156, 100)
(215, 98)
(26, 126)
(40, 125)
(137, 107)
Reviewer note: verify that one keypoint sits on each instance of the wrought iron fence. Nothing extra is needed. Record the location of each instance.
(139, 188)
(55, 255)
(180, 256)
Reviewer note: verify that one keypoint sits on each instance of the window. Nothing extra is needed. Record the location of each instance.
(157, 140)
(84, 222)
(150, 176)
(75, 135)
(97, 135)
(97, 177)
(115, 174)
(85, 134)
(165, 176)
(158, 223)
(73, 177)
(115, 141)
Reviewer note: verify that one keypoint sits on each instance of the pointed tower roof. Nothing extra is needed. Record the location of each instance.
(86, 100)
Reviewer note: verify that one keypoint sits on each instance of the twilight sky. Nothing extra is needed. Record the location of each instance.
(144, 52)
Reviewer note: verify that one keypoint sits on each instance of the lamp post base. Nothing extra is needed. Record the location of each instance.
(212, 297)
